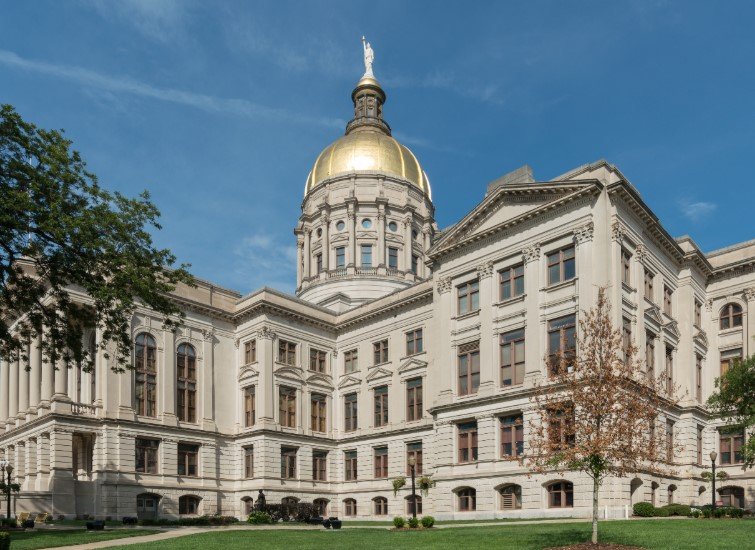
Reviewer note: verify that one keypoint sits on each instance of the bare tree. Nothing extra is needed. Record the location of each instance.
(597, 409)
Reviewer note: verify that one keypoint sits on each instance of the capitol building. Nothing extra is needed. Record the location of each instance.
(403, 342)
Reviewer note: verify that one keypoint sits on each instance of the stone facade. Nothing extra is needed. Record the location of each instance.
(72, 436)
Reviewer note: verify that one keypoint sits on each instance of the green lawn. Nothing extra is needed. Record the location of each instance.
(47, 538)
(367, 523)
(652, 534)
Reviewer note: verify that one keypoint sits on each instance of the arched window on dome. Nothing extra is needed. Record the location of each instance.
(186, 371)
(731, 316)
(145, 369)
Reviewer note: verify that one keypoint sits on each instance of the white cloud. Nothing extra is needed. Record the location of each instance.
(262, 260)
(161, 20)
(127, 85)
(449, 81)
(697, 211)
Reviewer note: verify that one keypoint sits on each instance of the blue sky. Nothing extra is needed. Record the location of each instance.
(220, 108)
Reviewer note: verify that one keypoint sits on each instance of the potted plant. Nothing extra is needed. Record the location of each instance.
(397, 484)
(424, 484)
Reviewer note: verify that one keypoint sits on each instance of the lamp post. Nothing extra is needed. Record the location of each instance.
(5, 466)
(412, 464)
(713, 456)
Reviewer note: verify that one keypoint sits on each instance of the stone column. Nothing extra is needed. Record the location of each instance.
(264, 392)
(307, 253)
(208, 377)
(299, 259)
(408, 246)
(443, 387)
(19, 461)
(325, 220)
(23, 386)
(586, 294)
(60, 399)
(747, 343)
(488, 349)
(99, 372)
(48, 380)
(167, 380)
(13, 391)
(126, 395)
(381, 260)
(533, 280)
(43, 461)
(30, 465)
(4, 394)
(35, 376)
(426, 234)
(352, 227)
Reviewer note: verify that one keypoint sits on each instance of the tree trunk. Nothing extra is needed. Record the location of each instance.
(595, 489)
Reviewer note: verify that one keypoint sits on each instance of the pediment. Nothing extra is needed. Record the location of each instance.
(506, 206)
(366, 235)
(411, 364)
(247, 372)
(653, 314)
(292, 373)
(338, 237)
(701, 338)
(378, 373)
(320, 380)
(348, 381)
(672, 328)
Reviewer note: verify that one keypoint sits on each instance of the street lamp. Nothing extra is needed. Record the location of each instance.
(6, 466)
(713, 456)
(412, 464)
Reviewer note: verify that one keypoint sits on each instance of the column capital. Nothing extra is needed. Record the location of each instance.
(485, 270)
(531, 253)
(749, 294)
(266, 333)
(443, 285)
(585, 233)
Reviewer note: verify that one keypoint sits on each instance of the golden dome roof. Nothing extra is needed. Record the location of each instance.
(368, 145)
(368, 149)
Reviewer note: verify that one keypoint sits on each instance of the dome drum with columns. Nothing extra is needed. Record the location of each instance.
(367, 215)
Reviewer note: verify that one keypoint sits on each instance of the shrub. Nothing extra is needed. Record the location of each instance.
(695, 512)
(7, 522)
(428, 521)
(706, 512)
(413, 523)
(259, 518)
(661, 513)
(399, 522)
(644, 509)
(678, 509)
(4, 541)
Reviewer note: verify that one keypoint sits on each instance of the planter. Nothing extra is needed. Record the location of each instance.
(97, 525)
(336, 524)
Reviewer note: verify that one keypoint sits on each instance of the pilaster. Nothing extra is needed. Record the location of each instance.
(167, 380)
(208, 376)
(488, 364)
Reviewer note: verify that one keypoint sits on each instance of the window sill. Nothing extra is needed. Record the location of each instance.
(626, 287)
(412, 355)
(380, 364)
(729, 331)
(512, 300)
(560, 284)
(468, 315)
(290, 366)
(250, 363)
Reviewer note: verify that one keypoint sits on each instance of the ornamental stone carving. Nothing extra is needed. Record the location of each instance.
(749, 294)
(585, 233)
(208, 335)
(617, 232)
(266, 333)
(641, 252)
(531, 253)
(485, 270)
(444, 285)
(709, 305)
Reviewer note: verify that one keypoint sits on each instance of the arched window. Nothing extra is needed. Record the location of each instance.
(289, 501)
(188, 505)
(248, 505)
(467, 499)
(410, 507)
(511, 497)
(145, 366)
(186, 362)
(733, 496)
(381, 506)
(561, 494)
(634, 490)
(731, 316)
(147, 505)
(322, 506)
(349, 507)
(670, 497)
(653, 492)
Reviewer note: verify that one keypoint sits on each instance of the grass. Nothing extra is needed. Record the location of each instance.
(651, 534)
(47, 538)
(365, 523)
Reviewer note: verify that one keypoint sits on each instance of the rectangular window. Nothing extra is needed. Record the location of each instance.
(649, 285)
(350, 412)
(512, 435)
(318, 404)
(319, 465)
(146, 455)
(468, 297)
(414, 450)
(669, 370)
(248, 462)
(392, 257)
(562, 343)
(561, 265)
(626, 267)
(512, 358)
(511, 282)
(350, 465)
(415, 264)
(467, 442)
(561, 427)
(340, 256)
(728, 358)
(351, 360)
(667, 295)
(413, 399)
(366, 255)
(380, 352)
(287, 352)
(249, 407)
(250, 351)
(469, 368)
(187, 459)
(730, 444)
(288, 462)
(650, 354)
(414, 342)
(669, 440)
(381, 406)
(626, 337)
(318, 263)
(381, 462)
(317, 360)
(287, 408)
(698, 314)
(699, 444)
(699, 378)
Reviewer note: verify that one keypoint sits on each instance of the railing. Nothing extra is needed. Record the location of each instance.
(337, 273)
(82, 409)
(367, 271)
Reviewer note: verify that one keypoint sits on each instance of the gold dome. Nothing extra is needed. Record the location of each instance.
(368, 149)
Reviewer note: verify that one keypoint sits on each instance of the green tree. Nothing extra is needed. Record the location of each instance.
(72, 254)
(734, 401)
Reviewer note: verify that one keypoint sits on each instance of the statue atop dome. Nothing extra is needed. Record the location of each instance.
(369, 57)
